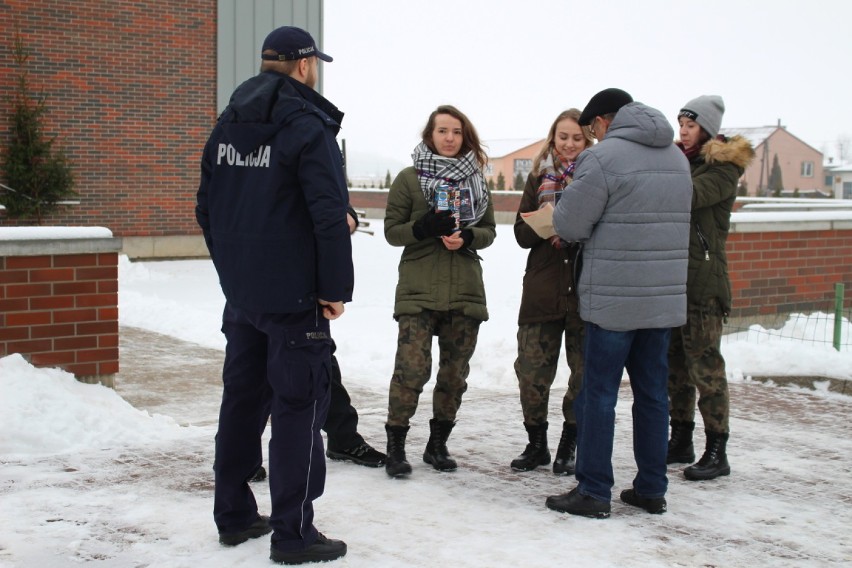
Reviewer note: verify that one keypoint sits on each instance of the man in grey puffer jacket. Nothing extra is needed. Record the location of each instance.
(629, 204)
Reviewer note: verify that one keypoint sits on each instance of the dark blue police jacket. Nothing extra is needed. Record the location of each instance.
(273, 199)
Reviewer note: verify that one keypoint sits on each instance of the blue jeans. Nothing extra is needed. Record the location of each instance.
(643, 352)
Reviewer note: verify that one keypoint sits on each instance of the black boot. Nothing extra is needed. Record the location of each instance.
(714, 462)
(396, 464)
(567, 450)
(436, 452)
(681, 449)
(536, 453)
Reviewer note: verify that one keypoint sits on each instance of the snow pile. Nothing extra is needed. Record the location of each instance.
(47, 411)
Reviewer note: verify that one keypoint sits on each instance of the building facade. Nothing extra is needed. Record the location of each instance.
(510, 158)
(800, 164)
(132, 91)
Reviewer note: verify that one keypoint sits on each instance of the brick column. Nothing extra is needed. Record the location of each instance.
(59, 302)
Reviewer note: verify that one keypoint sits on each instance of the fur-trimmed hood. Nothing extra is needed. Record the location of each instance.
(736, 150)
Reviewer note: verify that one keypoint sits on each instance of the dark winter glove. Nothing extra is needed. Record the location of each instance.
(434, 224)
(467, 237)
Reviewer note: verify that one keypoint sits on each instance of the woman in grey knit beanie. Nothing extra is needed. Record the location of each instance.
(695, 356)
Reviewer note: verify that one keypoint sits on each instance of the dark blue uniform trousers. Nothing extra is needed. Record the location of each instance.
(278, 365)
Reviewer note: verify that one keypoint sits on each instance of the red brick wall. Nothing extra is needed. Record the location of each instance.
(131, 97)
(61, 311)
(774, 272)
(789, 271)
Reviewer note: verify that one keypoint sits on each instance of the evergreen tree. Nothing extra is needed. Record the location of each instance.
(519, 182)
(38, 175)
(775, 182)
(388, 180)
(501, 182)
(490, 184)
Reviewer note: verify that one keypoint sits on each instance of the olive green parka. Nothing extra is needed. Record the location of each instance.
(430, 276)
(715, 174)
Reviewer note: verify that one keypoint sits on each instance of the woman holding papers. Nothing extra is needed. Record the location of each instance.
(548, 303)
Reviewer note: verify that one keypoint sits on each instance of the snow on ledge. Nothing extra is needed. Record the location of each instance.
(53, 233)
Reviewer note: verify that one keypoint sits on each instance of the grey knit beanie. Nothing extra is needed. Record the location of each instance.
(707, 111)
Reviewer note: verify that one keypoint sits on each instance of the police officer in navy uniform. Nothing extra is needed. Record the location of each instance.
(272, 204)
(345, 443)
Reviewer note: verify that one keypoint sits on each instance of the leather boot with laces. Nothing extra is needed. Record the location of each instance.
(681, 449)
(396, 464)
(361, 454)
(566, 452)
(714, 462)
(436, 453)
(536, 453)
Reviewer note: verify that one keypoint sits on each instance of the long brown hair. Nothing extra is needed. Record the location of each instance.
(470, 139)
(572, 114)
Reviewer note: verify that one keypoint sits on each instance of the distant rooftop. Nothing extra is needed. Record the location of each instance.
(754, 135)
(839, 168)
(500, 148)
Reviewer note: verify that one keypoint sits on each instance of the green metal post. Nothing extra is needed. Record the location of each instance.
(838, 313)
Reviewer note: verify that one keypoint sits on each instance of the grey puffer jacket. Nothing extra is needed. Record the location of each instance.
(630, 203)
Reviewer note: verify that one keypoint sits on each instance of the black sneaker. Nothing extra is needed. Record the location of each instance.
(323, 550)
(654, 505)
(258, 528)
(259, 475)
(576, 504)
(362, 454)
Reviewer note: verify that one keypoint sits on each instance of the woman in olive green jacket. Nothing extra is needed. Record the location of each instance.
(440, 210)
(548, 311)
(695, 356)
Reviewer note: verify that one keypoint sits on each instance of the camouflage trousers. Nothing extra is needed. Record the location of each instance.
(695, 361)
(538, 358)
(413, 365)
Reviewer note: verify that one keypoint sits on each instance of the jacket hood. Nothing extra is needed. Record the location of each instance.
(262, 105)
(641, 124)
(736, 150)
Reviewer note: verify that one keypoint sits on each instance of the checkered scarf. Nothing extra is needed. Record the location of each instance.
(434, 170)
(555, 175)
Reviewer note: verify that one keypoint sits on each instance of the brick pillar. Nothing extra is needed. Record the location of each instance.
(59, 303)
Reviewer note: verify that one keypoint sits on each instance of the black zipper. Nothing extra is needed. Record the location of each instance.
(704, 244)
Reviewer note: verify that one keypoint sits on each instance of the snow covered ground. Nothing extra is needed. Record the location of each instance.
(88, 477)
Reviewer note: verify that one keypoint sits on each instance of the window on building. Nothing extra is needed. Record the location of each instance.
(807, 169)
(847, 190)
(489, 169)
(523, 167)
(829, 181)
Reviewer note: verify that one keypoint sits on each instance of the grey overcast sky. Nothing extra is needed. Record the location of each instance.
(513, 65)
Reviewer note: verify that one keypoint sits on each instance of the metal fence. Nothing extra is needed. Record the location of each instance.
(816, 328)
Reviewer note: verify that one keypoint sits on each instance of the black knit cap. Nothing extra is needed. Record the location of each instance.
(605, 102)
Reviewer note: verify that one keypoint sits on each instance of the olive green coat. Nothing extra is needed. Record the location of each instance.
(715, 174)
(430, 276)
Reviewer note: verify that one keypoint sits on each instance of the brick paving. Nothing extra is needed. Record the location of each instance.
(788, 501)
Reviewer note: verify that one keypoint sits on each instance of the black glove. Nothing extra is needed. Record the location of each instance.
(434, 224)
(467, 237)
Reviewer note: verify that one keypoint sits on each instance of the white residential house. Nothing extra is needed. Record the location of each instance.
(838, 179)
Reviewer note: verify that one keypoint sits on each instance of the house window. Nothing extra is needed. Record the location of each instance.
(829, 181)
(847, 190)
(489, 169)
(807, 169)
(523, 167)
